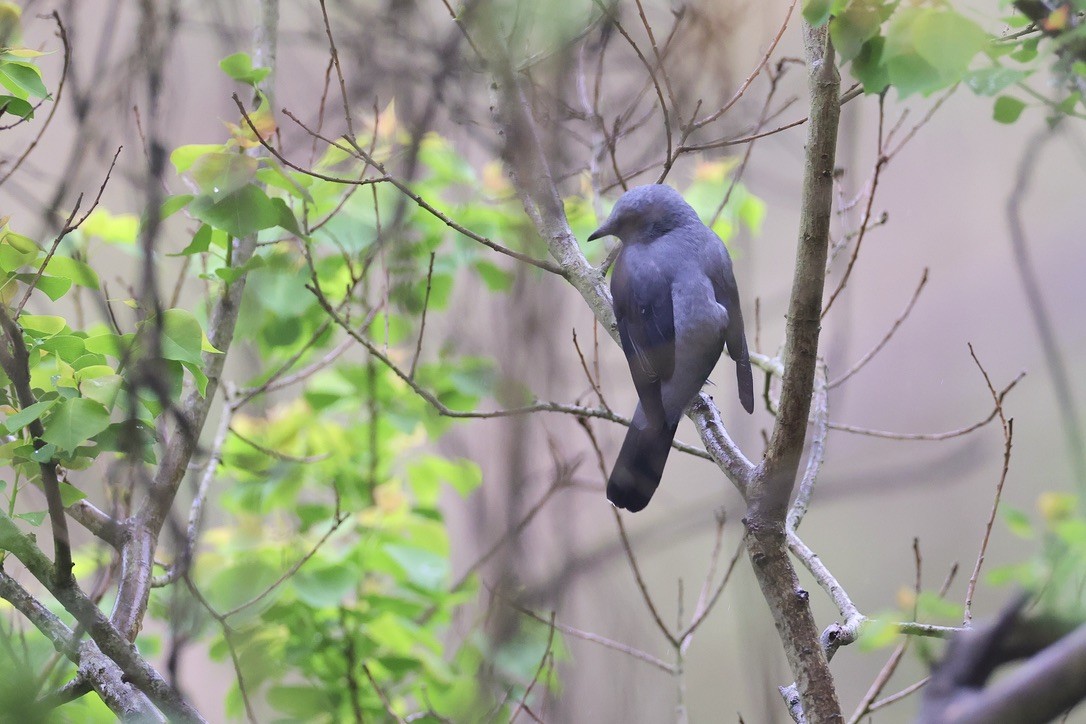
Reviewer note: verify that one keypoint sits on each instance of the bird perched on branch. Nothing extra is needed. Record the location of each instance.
(677, 307)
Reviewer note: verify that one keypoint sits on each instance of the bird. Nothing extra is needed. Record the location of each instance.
(676, 304)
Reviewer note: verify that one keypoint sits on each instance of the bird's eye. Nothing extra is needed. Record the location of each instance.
(644, 311)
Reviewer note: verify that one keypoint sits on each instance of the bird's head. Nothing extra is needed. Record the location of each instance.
(644, 213)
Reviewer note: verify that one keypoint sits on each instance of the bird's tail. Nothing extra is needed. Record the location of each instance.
(640, 464)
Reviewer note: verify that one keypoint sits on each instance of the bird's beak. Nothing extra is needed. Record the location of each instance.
(604, 230)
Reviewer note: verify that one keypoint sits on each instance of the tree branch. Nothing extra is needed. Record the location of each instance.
(108, 638)
(774, 480)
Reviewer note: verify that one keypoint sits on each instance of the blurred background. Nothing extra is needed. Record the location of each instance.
(945, 196)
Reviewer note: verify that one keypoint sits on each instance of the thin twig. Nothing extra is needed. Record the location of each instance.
(561, 481)
(591, 637)
(880, 162)
(227, 634)
(935, 436)
(184, 559)
(750, 78)
(886, 338)
(894, 698)
(587, 374)
(334, 54)
(68, 228)
(446, 411)
(381, 695)
(401, 187)
(422, 323)
(1008, 437)
(279, 454)
(703, 611)
(632, 559)
(538, 672)
(652, 74)
(336, 523)
(56, 101)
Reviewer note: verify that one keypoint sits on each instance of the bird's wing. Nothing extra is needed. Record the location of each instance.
(646, 325)
(727, 294)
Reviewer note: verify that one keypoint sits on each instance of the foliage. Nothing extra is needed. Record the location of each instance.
(331, 553)
(925, 47)
(1056, 574)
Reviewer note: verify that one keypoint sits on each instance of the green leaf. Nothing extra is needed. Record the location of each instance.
(816, 12)
(74, 422)
(424, 569)
(878, 633)
(34, 519)
(930, 605)
(42, 325)
(1067, 105)
(868, 67)
(70, 495)
(239, 66)
(75, 271)
(231, 274)
(182, 336)
(67, 347)
(52, 287)
(948, 41)
(1027, 51)
(112, 228)
(854, 26)
(300, 702)
(752, 213)
(1017, 522)
(426, 475)
(326, 587)
(114, 345)
(989, 81)
(274, 175)
(1007, 109)
(22, 79)
(930, 48)
(218, 175)
(495, 278)
(244, 212)
(286, 218)
(16, 107)
(44, 454)
(27, 415)
(201, 241)
(103, 389)
(173, 204)
(183, 157)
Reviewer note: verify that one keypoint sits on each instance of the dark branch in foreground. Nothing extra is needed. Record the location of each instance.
(1048, 683)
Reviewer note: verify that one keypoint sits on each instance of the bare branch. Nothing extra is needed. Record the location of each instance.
(886, 338)
(750, 78)
(68, 228)
(632, 559)
(422, 323)
(1008, 437)
(594, 638)
(817, 452)
(931, 436)
(880, 162)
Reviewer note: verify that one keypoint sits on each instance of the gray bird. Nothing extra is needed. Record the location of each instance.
(677, 306)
